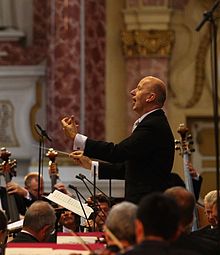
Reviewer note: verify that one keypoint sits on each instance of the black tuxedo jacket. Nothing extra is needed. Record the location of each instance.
(195, 243)
(24, 238)
(151, 247)
(145, 157)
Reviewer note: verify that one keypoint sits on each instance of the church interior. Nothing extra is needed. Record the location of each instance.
(83, 57)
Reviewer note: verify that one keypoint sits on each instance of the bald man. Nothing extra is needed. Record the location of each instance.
(145, 158)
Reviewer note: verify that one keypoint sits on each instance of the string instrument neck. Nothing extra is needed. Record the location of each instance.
(7, 169)
(53, 169)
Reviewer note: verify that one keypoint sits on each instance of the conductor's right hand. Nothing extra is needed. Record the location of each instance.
(81, 160)
(69, 126)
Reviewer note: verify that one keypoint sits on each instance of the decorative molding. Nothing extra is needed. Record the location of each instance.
(200, 74)
(7, 135)
(153, 43)
(147, 18)
(11, 35)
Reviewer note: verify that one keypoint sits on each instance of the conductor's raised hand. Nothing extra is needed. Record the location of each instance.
(81, 160)
(69, 126)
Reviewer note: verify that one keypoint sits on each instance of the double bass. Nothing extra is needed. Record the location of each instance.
(7, 169)
(186, 150)
(53, 170)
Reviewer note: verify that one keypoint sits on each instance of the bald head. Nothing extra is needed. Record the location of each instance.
(186, 202)
(149, 94)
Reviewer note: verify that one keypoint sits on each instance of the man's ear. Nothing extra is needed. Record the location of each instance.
(139, 231)
(43, 234)
(151, 97)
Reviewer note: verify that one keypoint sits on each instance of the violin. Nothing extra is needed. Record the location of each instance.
(7, 169)
(53, 170)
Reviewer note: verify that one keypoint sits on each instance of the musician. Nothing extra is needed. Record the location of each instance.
(119, 227)
(176, 180)
(30, 190)
(101, 206)
(3, 231)
(211, 231)
(186, 203)
(39, 223)
(147, 154)
(69, 222)
(20, 204)
(156, 225)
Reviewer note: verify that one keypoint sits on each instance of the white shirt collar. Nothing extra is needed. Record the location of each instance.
(143, 116)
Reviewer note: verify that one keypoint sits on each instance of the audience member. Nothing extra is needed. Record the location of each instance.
(39, 223)
(186, 203)
(142, 150)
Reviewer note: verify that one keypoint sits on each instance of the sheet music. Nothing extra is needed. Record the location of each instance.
(69, 203)
(15, 225)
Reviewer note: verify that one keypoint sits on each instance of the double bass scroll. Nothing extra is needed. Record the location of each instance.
(53, 170)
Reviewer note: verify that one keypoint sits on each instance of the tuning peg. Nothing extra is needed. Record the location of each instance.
(189, 136)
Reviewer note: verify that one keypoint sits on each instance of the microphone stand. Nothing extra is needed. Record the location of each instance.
(42, 134)
(40, 162)
(208, 16)
(110, 189)
(95, 203)
(78, 194)
(82, 177)
(94, 196)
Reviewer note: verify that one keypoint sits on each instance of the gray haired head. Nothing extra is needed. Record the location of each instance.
(120, 221)
(38, 215)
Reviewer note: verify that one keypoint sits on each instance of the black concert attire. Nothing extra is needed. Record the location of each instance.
(200, 245)
(145, 157)
(151, 247)
(24, 237)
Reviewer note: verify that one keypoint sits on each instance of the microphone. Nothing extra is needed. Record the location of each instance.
(207, 15)
(43, 132)
(82, 177)
(76, 190)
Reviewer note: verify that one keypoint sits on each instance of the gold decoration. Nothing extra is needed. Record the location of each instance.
(142, 43)
(200, 76)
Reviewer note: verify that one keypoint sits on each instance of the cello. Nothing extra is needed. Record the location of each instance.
(7, 169)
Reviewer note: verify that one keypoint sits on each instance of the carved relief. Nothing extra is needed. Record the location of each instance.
(7, 133)
(154, 43)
